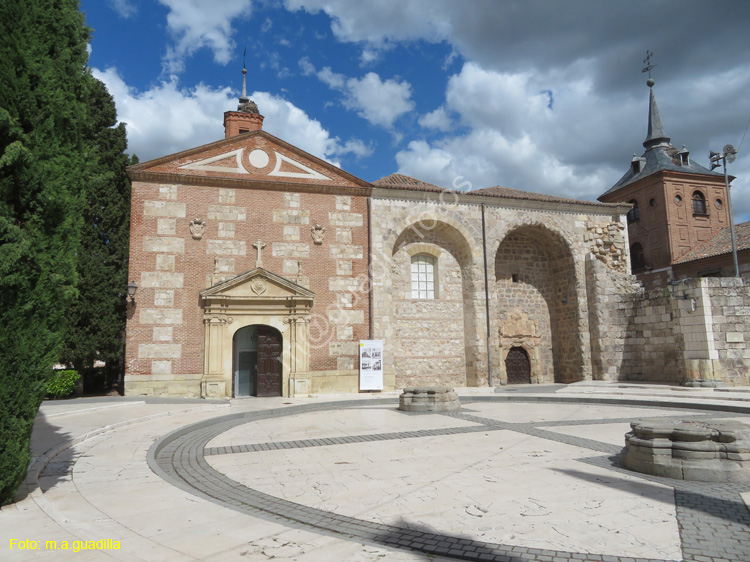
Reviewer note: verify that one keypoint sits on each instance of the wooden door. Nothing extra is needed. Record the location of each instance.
(269, 362)
(518, 366)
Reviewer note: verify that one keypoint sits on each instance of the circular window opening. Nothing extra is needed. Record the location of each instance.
(652, 202)
(719, 203)
(678, 199)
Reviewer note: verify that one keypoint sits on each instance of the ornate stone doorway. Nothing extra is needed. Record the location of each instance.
(276, 312)
(518, 366)
(257, 361)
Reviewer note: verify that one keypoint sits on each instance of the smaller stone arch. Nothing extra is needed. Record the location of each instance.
(517, 362)
(522, 332)
(436, 234)
(257, 351)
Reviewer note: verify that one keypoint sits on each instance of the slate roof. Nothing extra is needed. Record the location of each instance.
(720, 244)
(658, 159)
(660, 155)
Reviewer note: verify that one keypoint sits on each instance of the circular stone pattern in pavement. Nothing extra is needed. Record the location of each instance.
(501, 479)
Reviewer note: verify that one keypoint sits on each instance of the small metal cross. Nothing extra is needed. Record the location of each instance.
(259, 246)
(647, 62)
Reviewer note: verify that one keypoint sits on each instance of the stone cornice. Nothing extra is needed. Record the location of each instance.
(212, 181)
(504, 202)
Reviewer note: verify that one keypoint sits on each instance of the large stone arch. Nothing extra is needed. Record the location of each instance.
(431, 342)
(535, 301)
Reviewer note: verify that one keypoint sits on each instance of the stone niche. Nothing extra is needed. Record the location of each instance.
(429, 399)
(518, 330)
(711, 451)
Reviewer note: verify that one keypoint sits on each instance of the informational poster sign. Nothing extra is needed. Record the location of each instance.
(371, 364)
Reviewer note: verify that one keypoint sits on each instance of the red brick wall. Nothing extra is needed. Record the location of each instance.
(266, 214)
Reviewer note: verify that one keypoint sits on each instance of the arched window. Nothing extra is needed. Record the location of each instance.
(699, 204)
(634, 214)
(637, 257)
(424, 277)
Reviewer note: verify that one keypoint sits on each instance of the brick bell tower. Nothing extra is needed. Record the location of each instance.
(247, 117)
(677, 203)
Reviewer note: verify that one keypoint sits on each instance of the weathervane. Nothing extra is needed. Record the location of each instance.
(648, 67)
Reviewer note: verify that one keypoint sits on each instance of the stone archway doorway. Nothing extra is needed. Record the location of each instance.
(257, 361)
(279, 309)
(518, 366)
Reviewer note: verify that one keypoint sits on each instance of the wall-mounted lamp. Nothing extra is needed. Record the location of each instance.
(132, 288)
(565, 300)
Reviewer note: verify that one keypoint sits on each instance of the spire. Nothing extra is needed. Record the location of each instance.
(244, 84)
(656, 135)
(247, 117)
(246, 104)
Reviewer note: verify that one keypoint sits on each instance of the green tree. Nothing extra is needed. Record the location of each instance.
(97, 316)
(46, 159)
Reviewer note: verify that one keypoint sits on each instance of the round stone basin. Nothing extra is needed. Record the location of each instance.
(710, 451)
(429, 399)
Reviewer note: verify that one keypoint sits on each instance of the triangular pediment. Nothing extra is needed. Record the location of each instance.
(257, 284)
(255, 156)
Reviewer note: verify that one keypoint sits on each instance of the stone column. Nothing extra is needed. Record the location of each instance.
(299, 357)
(214, 383)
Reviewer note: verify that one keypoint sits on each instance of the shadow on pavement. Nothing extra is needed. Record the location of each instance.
(45, 438)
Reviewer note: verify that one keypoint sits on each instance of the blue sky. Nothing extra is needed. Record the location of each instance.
(537, 95)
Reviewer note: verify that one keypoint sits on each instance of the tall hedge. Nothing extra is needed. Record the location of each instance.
(45, 166)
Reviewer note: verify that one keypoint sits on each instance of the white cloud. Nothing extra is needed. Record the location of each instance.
(381, 102)
(356, 147)
(513, 137)
(167, 119)
(306, 67)
(438, 119)
(195, 24)
(378, 101)
(519, 49)
(124, 8)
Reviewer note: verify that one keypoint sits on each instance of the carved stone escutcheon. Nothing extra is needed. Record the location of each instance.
(258, 285)
(197, 228)
(318, 231)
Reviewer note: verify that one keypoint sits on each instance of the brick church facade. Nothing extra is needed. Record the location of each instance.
(261, 268)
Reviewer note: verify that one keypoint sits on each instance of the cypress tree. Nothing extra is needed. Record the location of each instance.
(96, 319)
(44, 86)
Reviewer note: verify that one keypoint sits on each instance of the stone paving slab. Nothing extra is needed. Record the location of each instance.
(99, 483)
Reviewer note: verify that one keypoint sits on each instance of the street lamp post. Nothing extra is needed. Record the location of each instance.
(729, 154)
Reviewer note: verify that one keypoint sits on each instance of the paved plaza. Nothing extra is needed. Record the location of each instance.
(529, 473)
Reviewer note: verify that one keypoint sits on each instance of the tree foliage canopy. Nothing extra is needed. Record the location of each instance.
(55, 132)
